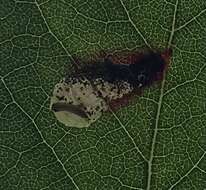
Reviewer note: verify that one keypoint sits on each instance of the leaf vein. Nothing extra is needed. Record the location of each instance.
(133, 24)
(159, 107)
(195, 166)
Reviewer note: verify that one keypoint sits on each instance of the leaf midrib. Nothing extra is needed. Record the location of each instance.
(160, 104)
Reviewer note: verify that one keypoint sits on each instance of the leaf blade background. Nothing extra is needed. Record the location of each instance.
(37, 40)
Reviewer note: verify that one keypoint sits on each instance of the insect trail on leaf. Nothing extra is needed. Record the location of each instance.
(107, 82)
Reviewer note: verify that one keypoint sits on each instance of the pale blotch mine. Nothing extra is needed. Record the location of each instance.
(89, 97)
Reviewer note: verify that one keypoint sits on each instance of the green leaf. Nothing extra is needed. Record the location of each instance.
(158, 142)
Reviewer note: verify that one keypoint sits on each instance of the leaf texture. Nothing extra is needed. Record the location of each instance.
(158, 142)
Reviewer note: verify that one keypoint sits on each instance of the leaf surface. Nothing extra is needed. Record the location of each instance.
(158, 142)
